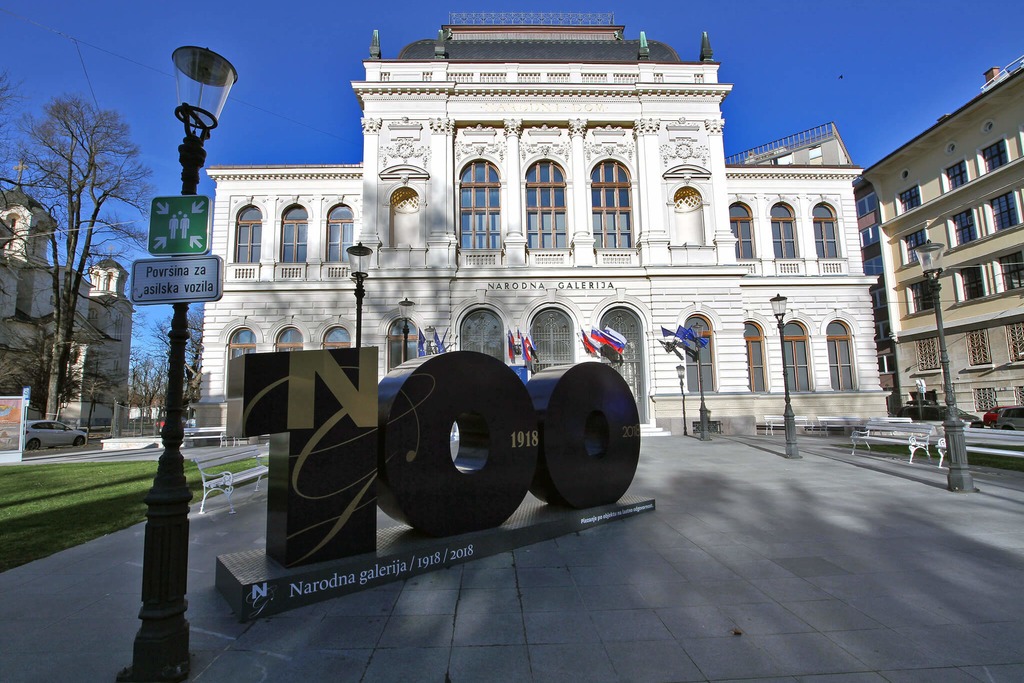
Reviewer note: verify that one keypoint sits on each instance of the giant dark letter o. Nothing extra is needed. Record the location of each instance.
(418, 482)
(590, 435)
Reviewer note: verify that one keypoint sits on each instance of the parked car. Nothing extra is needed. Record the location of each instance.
(48, 433)
(1009, 417)
(989, 418)
(935, 414)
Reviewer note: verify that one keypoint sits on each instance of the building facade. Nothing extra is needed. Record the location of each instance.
(959, 183)
(546, 180)
(103, 318)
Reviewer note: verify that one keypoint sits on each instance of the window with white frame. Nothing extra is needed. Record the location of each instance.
(1004, 211)
(826, 241)
(910, 198)
(1012, 267)
(928, 353)
(973, 280)
(977, 347)
(869, 235)
(920, 296)
(963, 224)
(867, 204)
(984, 399)
(956, 174)
(994, 155)
(1015, 340)
(912, 242)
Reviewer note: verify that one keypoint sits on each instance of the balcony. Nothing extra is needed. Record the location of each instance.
(549, 257)
(480, 258)
(243, 272)
(617, 257)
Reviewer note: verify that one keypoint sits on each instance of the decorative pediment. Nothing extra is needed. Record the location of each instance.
(405, 129)
(403, 149)
(404, 173)
(683, 149)
(687, 173)
(682, 128)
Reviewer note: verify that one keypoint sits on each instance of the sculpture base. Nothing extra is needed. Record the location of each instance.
(254, 585)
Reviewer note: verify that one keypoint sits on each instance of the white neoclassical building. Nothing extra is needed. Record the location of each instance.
(543, 180)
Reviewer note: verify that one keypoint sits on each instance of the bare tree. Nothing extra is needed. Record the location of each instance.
(147, 378)
(193, 352)
(81, 165)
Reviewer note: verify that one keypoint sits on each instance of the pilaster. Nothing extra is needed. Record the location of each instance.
(514, 240)
(583, 231)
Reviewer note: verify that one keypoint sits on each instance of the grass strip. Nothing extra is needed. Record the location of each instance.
(1000, 462)
(47, 508)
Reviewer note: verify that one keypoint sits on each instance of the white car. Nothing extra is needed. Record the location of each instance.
(48, 433)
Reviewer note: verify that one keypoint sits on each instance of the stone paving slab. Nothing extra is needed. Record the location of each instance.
(833, 568)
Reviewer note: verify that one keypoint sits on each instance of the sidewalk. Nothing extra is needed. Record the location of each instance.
(753, 567)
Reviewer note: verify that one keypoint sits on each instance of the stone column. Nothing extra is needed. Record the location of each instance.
(583, 230)
(649, 213)
(725, 243)
(514, 240)
(440, 205)
(370, 232)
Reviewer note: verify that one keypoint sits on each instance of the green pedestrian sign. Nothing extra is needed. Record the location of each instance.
(179, 225)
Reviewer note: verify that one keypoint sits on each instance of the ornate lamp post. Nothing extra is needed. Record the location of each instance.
(705, 414)
(359, 254)
(160, 653)
(681, 371)
(406, 307)
(779, 309)
(959, 478)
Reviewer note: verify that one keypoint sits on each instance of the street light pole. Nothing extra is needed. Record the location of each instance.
(681, 371)
(405, 305)
(779, 309)
(704, 413)
(358, 252)
(959, 477)
(160, 650)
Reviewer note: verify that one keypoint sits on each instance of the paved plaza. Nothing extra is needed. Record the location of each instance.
(838, 568)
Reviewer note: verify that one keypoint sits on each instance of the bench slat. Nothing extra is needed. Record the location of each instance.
(215, 479)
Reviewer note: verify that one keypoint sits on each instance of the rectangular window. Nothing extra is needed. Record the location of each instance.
(869, 236)
(964, 225)
(885, 364)
(1015, 341)
(881, 330)
(912, 242)
(984, 399)
(977, 347)
(1012, 266)
(974, 282)
(867, 204)
(957, 174)
(994, 155)
(921, 296)
(928, 353)
(878, 299)
(910, 198)
(873, 266)
(825, 240)
(1004, 211)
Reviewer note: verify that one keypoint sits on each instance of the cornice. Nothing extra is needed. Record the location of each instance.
(713, 91)
(291, 173)
(793, 173)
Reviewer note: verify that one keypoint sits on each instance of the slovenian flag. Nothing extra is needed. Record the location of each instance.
(588, 344)
(529, 350)
(511, 347)
(609, 337)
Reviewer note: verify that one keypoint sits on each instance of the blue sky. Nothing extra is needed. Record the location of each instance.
(903, 64)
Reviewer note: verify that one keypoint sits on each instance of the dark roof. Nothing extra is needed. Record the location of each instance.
(539, 50)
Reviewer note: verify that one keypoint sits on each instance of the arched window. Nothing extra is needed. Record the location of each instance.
(481, 331)
(405, 208)
(248, 233)
(339, 234)
(610, 202)
(794, 338)
(742, 230)
(480, 206)
(552, 335)
(545, 206)
(294, 226)
(783, 232)
(337, 338)
(243, 341)
(840, 363)
(290, 339)
(395, 336)
(702, 328)
(627, 323)
(826, 241)
(754, 338)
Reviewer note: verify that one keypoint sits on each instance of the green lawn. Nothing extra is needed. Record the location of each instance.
(47, 508)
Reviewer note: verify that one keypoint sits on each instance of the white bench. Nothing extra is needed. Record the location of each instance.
(773, 421)
(216, 478)
(986, 441)
(194, 434)
(915, 436)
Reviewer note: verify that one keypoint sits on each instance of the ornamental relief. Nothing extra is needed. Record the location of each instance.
(466, 149)
(404, 150)
(371, 125)
(545, 149)
(442, 126)
(684, 148)
(609, 148)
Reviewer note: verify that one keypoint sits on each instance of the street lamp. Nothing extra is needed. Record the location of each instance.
(359, 255)
(779, 309)
(160, 652)
(406, 307)
(705, 414)
(959, 477)
(681, 371)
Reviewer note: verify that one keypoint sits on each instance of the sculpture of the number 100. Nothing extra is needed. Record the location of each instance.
(340, 444)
